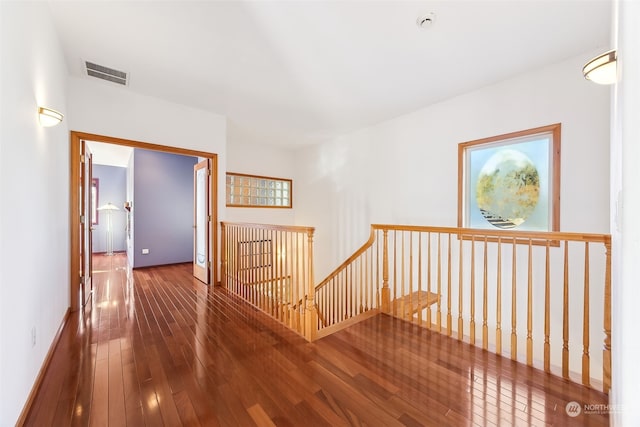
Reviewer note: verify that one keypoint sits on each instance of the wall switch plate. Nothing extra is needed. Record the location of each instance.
(145, 251)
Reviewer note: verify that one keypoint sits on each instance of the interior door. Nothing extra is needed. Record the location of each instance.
(86, 223)
(202, 218)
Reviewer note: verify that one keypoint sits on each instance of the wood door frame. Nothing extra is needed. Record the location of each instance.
(74, 200)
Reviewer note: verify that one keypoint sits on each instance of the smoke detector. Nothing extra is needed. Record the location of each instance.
(426, 21)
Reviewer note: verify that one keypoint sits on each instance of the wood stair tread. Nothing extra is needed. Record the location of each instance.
(415, 301)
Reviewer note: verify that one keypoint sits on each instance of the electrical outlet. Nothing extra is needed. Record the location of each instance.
(145, 252)
(33, 336)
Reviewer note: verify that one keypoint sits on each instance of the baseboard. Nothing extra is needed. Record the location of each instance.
(43, 370)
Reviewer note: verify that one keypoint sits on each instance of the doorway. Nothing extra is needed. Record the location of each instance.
(78, 256)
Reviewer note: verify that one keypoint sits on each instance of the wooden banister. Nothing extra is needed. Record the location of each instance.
(271, 267)
(417, 272)
(543, 282)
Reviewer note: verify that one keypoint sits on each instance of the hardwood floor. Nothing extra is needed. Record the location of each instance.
(158, 348)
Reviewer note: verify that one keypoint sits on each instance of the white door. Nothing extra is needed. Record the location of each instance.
(86, 223)
(202, 218)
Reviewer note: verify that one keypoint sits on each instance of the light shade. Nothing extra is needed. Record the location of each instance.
(602, 69)
(49, 117)
(108, 207)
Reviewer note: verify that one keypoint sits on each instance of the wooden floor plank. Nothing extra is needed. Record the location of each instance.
(156, 347)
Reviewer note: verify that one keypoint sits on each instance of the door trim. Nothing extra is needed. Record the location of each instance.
(74, 200)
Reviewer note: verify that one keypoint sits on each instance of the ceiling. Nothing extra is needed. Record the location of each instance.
(110, 154)
(299, 72)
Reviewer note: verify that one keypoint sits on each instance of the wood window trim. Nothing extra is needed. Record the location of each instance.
(288, 188)
(553, 169)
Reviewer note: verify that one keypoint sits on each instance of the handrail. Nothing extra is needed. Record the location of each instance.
(503, 234)
(356, 254)
(293, 228)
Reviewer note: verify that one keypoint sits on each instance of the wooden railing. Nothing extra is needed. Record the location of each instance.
(351, 292)
(548, 294)
(543, 299)
(271, 267)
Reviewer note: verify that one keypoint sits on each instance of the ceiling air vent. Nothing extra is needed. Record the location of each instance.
(106, 73)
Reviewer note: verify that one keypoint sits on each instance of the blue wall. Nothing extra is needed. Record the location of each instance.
(111, 188)
(162, 208)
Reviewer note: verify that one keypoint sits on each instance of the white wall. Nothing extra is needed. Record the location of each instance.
(34, 181)
(625, 208)
(262, 160)
(404, 170)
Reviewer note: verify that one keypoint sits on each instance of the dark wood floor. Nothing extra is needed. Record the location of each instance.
(158, 348)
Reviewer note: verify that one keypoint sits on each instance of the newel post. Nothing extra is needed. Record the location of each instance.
(606, 351)
(311, 313)
(385, 295)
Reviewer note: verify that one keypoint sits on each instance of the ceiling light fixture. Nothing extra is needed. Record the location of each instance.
(426, 21)
(49, 117)
(602, 69)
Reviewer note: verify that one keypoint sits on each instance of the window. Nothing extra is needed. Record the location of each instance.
(94, 201)
(511, 181)
(258, 191)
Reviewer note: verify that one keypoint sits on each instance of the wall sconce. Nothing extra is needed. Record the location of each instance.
(49, 117)
(602, 69)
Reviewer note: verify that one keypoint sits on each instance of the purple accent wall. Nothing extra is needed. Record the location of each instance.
(111, 188)
(162, 208)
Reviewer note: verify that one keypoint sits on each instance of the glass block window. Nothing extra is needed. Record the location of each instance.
(258, 191)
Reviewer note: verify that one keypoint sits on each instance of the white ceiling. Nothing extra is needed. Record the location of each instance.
(298, 72)
(110, 154)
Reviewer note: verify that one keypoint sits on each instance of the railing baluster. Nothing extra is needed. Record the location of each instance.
(547, 297)
(385, 295)
(402, 279)
(340, 297)
(565, 314)
(514, 336)
(472, 322)
(395, 272)
(499, 300)
(449, 326)
(282, 285)
(411, 306)
(429, 323)
(377, 267)
(370, 275)
(485, 328)
(460, 289)
(420, 320)
(530, 305)
(439, 272)
(363, 286)
(586, 374)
